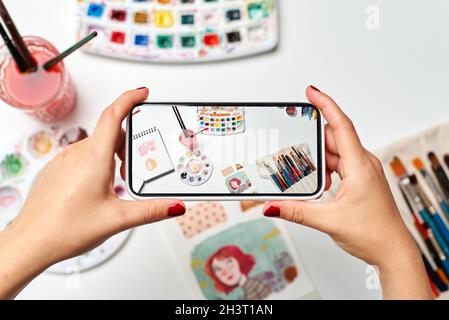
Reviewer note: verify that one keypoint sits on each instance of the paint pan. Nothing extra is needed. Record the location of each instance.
(10, 204)
(71, 136)
(14, 166)
(41, 144)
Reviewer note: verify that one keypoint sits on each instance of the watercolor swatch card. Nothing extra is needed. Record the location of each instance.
(245, 257)
(179, 30)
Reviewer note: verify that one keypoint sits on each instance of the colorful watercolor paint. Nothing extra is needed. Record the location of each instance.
(179, 30)
(194, 168)
(41, 143)
(71, 136)
(221, 121)
(14, 165)
(10, 202)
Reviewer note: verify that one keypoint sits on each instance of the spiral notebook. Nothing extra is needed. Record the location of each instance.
(151, 160)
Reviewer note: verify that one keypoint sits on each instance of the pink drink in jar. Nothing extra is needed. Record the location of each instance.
(46, 94)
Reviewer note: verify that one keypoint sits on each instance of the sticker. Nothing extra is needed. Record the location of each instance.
(41, 144)
(201, 217)
(194, 168)
(238, 182)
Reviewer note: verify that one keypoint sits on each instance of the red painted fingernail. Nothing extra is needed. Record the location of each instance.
(315, 88)
(272, 212)
(176, 210)
(141, 88)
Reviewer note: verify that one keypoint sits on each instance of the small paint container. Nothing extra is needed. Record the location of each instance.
(291, 111)
(14, 165)
(71, 136)
(41, 144)
(11, 202)
(190, 142)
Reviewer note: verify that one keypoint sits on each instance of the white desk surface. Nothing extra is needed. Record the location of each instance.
(392, 82)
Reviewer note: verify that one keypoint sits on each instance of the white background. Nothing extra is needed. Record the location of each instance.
(392, 82)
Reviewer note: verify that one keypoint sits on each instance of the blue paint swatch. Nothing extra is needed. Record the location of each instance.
(141, 40)
(95, 10)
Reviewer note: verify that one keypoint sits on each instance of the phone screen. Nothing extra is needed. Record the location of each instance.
(224, 150)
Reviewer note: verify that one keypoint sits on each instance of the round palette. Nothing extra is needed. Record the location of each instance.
(19, 166)
(194, 168)
(93, 258)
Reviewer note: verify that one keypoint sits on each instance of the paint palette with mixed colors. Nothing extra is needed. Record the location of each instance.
(194, 168)
(179, 30)
(221, 121)
(19, 165)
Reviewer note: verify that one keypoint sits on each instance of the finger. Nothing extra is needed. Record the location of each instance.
(345, 136)
(330, 140)
(313, 215)
(123, 170)
(121, 153)
(109, 126)
(328, 180)
(136, 213)
(332, 162)
(120, 143)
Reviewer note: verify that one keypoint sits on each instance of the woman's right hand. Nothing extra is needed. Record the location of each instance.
(363, 219)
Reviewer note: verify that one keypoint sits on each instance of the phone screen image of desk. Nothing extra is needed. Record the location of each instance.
(224, 150)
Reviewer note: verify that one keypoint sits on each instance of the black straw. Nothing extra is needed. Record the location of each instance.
(65, 53)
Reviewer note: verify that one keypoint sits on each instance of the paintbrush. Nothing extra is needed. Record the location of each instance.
(446, 160)
(273, 177)
(284, 172)
(53, 61)
(27, 63)
(290, 168)
(431, 209)
(13, 50)
(180, 121)
(405, 184)
(439, 173)
(432, 184)
(426, 234)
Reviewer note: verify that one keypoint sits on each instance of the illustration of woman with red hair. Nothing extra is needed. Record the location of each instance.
(229, 268)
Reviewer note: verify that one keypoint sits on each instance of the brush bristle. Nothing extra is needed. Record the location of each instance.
(419, 165)
(433, 159)
(446, 160)
(397, 167)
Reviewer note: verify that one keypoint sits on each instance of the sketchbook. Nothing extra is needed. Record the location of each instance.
(151, 160)
(225, 253)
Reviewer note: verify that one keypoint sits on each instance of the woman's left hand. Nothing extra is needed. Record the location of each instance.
(72, 206)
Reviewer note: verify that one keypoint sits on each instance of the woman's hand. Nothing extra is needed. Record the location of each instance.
(363, 218)
(72, 206)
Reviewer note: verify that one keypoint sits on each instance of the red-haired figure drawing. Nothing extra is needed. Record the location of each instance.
(229, 268)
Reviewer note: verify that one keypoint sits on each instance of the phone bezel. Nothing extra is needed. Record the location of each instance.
(229, 196)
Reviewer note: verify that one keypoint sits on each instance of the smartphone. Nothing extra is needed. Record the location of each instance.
(225, 151)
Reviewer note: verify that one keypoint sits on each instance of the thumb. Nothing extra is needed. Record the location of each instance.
(136, 213)
(309, 214)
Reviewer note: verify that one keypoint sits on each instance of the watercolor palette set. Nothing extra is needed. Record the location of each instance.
(221, 121)
(226, 252)
(19, 165)
(179, 30)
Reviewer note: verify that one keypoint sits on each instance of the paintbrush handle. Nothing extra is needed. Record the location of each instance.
(441, 227)
(440, 240)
